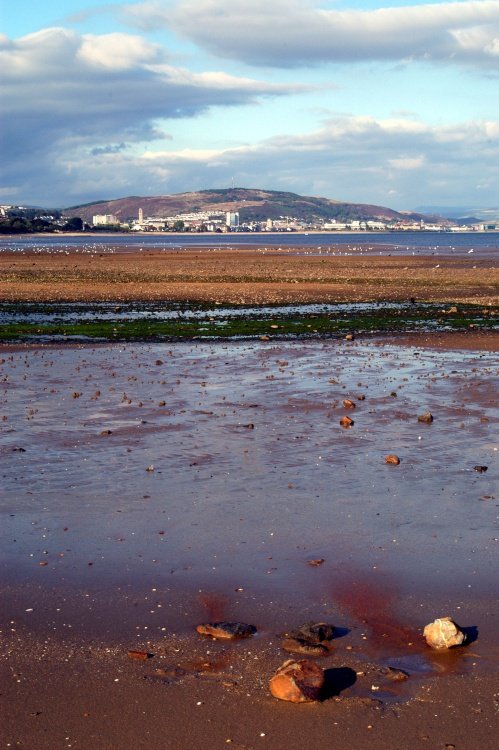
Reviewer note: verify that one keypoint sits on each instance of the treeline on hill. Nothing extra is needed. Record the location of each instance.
(23, 225)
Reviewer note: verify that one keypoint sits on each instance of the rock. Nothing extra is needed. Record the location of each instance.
(139, 655)
(302, 646)
(297, 681)
(427, 417)
(314, 632)
(443, 633)
(396, 675)
(348, 403)
(226, 630)
(392, 459)
(480, 469)
(346, 422)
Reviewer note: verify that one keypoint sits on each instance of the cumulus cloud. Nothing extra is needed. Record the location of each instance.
(358, 159)
(394, 162)
(84, 118)
(64, 93)
(289, 33)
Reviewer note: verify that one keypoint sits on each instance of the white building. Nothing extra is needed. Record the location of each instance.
(232, 219)
(101, 219)
(334, 225)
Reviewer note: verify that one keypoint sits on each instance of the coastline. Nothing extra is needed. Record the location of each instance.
(258, 235)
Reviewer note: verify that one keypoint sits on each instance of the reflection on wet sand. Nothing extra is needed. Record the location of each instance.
(224, 468)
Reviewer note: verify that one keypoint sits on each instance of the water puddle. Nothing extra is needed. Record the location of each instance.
(78, 312)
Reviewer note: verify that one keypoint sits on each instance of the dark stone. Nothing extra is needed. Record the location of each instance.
(314, 632)
(226, 630)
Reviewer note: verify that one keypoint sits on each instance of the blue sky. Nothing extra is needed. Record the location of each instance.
(394, 103)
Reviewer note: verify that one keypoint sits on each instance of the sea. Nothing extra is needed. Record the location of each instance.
(480, 245)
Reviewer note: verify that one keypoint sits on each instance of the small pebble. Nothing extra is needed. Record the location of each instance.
(392, 459)
(427, 417)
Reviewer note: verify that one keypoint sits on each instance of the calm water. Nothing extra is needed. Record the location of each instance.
(61, 312)
(384, 243)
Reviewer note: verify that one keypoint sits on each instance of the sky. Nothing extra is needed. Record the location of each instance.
(388, 102)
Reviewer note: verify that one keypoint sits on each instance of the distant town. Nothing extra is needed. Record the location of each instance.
(22, 219)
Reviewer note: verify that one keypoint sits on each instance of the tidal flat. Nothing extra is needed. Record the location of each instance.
(246, 276)
(148, 487)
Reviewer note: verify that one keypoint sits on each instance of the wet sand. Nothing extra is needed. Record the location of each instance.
(244, 276)
(250, 476)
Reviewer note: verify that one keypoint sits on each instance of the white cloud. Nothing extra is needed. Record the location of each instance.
(85, 95)
(407, 162)
(358, 159)
(116, 51)
(84, 115)
(290, 33)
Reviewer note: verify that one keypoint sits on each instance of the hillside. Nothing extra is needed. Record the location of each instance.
(256, 205)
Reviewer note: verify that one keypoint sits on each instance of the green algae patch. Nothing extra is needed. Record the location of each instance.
(28, 323)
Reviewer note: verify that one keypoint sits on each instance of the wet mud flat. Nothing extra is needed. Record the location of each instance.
(149, 487)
